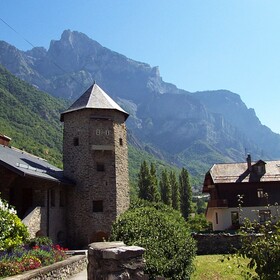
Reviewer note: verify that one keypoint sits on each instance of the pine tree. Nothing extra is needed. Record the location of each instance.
(186, 193)
(165, 188)
(175, 191)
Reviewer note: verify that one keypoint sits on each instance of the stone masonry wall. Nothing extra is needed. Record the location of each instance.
(114, 260)
(33, 221)
(92, 139)
(222, 243)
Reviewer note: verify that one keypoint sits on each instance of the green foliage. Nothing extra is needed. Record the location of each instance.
(147, 183)
(200, 204)
(12, 231)
(261, 244)
(30, 118)
(175, 191)
(154, 192)
(186, 193)
(162, 231)
(165, 188)
(39, 241)
(144, 181)
(136, 158)
(198, 223)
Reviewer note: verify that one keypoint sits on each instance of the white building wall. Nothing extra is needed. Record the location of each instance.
(221, 217)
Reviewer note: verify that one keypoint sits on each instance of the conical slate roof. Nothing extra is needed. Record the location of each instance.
(94, 98)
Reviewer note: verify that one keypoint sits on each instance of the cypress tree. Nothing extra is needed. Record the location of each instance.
(144, 180)
(154, 194)
(165, 188)
(186, 193)
(175, 191)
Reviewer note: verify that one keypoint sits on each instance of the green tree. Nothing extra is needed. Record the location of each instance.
(147, 183)
(144, 180)
(175, 191)
(186, 193)
(165, 188)
(12, 231)
(154, 195)
(163, 232)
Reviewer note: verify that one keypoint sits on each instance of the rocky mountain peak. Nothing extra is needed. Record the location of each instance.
(173, 120)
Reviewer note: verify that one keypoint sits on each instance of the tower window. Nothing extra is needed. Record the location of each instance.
(97, 131)
(97, 205)
(121, 141)
(100, 166)
(107, 132)
(76, 141)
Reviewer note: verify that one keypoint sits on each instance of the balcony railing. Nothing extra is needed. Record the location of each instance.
(220, 203)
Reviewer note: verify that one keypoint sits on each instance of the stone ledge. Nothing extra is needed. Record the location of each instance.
(60, 270)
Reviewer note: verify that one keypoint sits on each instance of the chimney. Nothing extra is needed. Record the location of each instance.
(4, 140)
(249, 162)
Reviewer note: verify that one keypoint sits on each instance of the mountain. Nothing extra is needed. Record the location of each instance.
(190, 129)
(30, 118)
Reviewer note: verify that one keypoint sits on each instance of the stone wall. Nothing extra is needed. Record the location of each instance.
(95, 157)
(114, 260)
(33, 221)
(222, 243)
(60, 270)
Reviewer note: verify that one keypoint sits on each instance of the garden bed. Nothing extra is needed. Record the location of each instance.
(59, 270)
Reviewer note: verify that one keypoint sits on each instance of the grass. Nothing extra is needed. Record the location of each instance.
(220, 267)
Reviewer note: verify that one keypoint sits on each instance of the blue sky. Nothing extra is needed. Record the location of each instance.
(197, 44)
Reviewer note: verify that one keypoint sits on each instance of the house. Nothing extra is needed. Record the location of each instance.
(256, 183)
(77, 205)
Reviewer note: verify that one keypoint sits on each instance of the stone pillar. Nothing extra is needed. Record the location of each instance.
(115, 260)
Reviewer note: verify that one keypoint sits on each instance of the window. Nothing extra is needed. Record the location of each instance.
(260, 193)
(235, 218)
(121, 141)
(97, 131)
(97, 205)
(217, 220)
(264, 215)
(53, 198)
(107, 132)
(76, 141)
(100, 167)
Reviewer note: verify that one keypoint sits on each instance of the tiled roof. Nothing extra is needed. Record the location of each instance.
(239, 172)
(25, 164)
(94, 98)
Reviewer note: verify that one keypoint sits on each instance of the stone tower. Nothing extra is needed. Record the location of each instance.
(95, 158)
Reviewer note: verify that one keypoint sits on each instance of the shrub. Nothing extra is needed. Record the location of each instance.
(39, 241)
(163, 232)
(261, 244)
(12, 231)
(198, 223)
